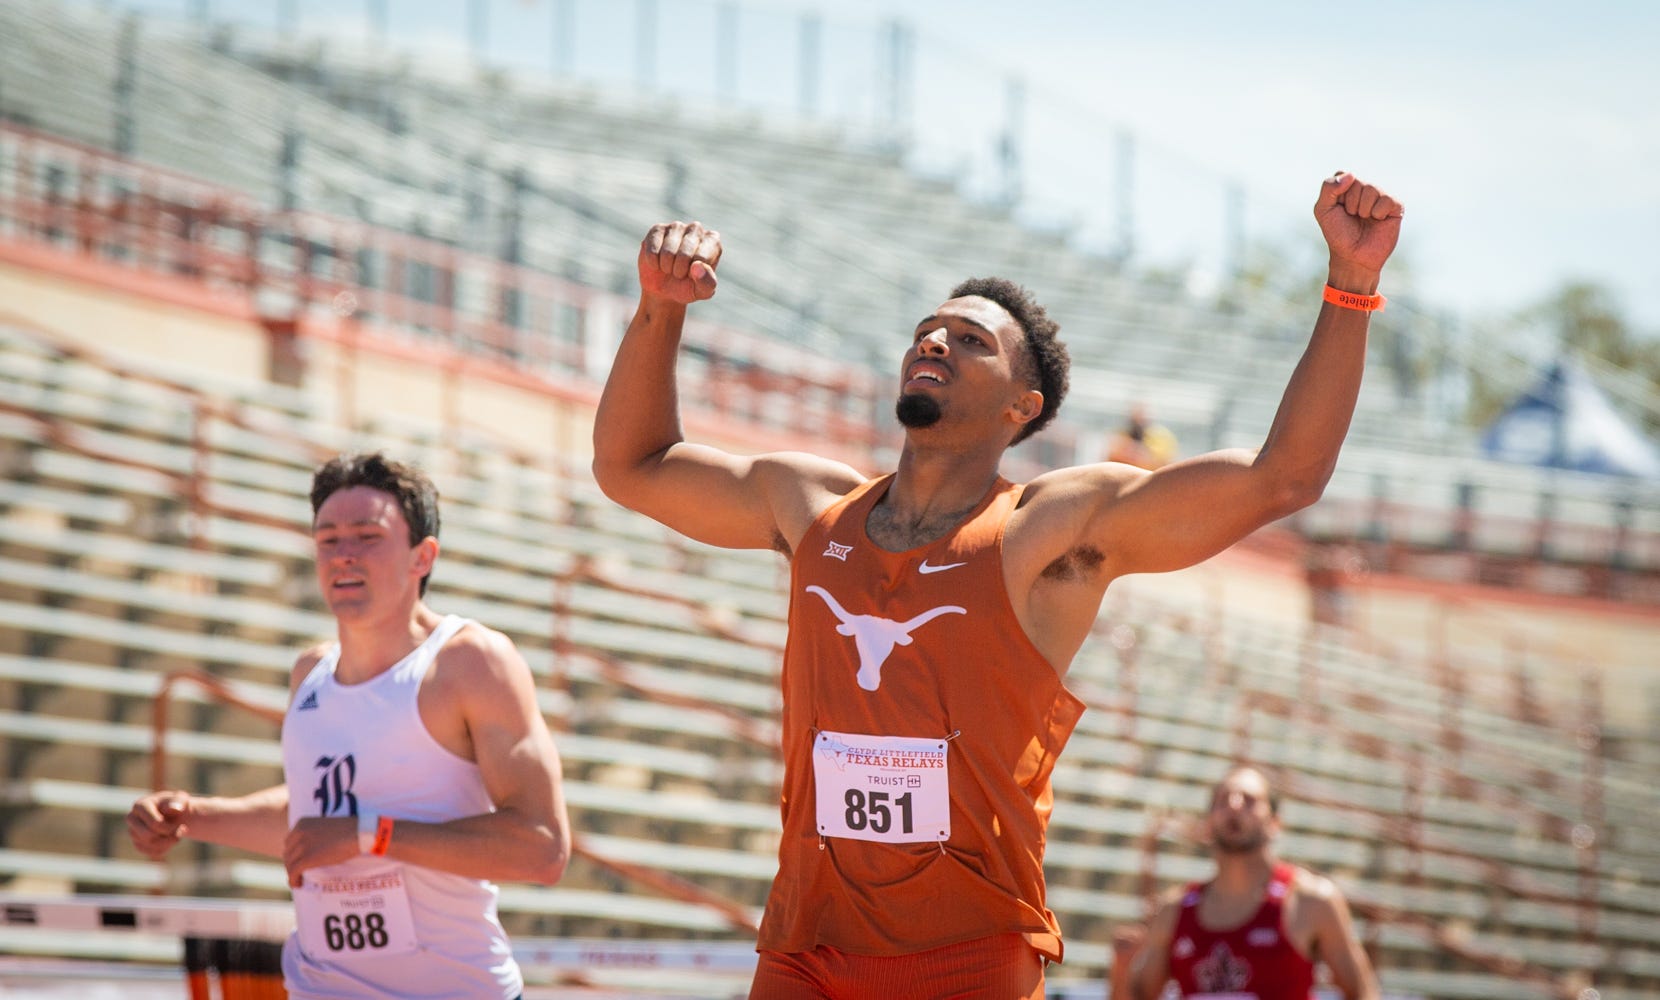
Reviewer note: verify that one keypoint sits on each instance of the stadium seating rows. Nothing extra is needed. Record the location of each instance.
(849, 247)
(665, 717)
(659, 680)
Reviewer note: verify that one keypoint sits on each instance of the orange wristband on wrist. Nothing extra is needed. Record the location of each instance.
(383, 837)
(1354, 300)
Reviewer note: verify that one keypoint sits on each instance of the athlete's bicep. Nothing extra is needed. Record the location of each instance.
(733, 501)
(1183, 513)
(1337, 944)
(515, 753)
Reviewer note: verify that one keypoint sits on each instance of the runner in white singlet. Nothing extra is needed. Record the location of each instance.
(418, 769)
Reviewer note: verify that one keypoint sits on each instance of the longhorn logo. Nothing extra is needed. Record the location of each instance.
(875, 637)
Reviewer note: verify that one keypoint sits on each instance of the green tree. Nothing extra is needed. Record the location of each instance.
(1590, 323)
(1583, 320)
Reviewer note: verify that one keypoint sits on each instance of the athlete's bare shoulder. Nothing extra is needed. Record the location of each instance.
(1051, 541)
(807, 471)
(1316, 900)
(1057, 509)
(1092, 482)
(801, 486)
(307, 661)
(476, 647)
(1311, 885)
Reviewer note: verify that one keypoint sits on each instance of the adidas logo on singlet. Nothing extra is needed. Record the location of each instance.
(309, 702)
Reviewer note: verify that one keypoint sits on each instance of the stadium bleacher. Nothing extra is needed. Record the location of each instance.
(152, 522)
(838, 285)
(601, 617)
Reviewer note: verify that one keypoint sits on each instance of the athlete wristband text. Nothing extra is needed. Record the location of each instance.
(1354, 300)
(383, 837)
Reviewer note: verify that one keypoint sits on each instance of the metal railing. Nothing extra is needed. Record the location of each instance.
(367, 283)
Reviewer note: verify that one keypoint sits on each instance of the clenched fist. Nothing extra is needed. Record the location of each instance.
(317, 841)
(1360, 222)
(677, 262)
(157, 822)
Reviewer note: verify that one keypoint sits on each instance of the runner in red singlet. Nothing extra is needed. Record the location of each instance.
(1256, 930)
(934, 611)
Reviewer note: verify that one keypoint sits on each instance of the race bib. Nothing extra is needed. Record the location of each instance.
(343, 917)
(890, 789)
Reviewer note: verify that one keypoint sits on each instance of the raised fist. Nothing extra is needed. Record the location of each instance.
(677, 262)
(1360, 222)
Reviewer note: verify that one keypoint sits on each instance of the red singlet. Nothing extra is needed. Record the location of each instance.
(1254, 961)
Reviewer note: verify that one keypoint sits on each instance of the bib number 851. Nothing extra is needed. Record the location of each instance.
(872, 811)
(354, 932)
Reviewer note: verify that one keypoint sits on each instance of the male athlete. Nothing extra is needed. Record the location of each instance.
(934, 611)
(418, 768)
(1256, 930)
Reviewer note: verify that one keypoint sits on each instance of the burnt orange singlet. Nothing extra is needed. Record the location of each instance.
(924, 644)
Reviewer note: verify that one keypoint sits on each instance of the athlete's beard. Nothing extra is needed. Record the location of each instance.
(1242, 843)
(917, 410)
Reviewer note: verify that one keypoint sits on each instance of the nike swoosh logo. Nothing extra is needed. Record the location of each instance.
(925, 568)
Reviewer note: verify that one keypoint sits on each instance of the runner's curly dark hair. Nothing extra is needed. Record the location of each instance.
(1045, 364)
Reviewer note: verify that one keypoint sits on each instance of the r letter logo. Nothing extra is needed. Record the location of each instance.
(334, 787)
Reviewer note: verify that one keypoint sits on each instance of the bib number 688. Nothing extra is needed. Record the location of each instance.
(355, 933)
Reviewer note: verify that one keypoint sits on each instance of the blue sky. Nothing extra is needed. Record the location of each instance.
(1521, 135)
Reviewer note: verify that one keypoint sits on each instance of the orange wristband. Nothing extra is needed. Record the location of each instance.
(1353, 300)
(383, 836)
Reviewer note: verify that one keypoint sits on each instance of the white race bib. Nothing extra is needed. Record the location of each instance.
(890, 789)
(342, 917)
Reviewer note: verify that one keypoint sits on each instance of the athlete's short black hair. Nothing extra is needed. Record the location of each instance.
(1045, 364)
(405, 483)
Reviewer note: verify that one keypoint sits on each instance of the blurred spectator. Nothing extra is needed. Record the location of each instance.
(1142, 442)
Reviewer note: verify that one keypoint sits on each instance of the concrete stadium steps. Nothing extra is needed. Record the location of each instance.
(874, 222)
(665, 711)
(1363, 704)
(832, 284)
(646, 774)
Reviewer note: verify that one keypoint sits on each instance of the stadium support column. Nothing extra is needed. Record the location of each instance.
(126, 86)
(1233, 235)
(808, 68)
(1124, 175)
(897, 46)
(288, 169)
(511, 300)
(1009, 145)
(726, 52)
(1587, 833)
(564, 37)
(600, 324)
(380, 22)
(478, 29)
(645, 45)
